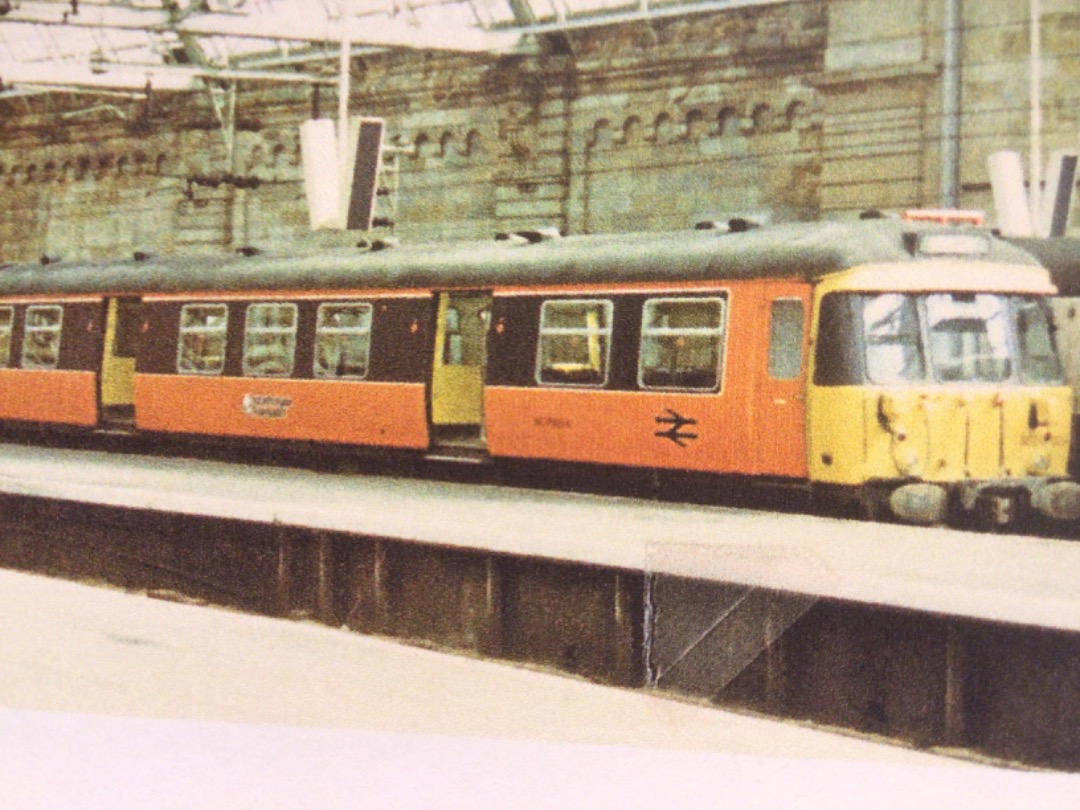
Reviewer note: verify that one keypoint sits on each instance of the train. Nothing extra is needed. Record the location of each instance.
(1060, 255)
(906, 367)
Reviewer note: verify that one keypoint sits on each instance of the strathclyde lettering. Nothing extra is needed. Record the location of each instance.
(266, 406)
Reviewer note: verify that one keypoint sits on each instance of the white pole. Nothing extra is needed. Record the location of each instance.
(1035, 73)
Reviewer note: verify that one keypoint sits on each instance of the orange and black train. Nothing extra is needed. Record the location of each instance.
(909, 367)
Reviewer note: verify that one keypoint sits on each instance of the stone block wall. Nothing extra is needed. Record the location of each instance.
(790, 110)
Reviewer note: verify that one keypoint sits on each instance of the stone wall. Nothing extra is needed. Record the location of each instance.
(799, 110)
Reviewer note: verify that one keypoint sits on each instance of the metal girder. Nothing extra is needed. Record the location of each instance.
(632, 13)
(370, 30)
(312, 26)
(66, 74)
(175, 25)
(97, 15)
(104, 73)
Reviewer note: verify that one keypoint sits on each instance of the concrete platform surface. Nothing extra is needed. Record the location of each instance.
(1008, 578)
(118, 700)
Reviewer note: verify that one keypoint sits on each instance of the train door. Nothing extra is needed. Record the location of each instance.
(457, 377)
(779, 414)
(117, 390)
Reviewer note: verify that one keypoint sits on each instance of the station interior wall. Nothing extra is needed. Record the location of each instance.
(798, 110)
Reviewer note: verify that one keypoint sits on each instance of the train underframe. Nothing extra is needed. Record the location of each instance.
(983, 504)
(992, 504)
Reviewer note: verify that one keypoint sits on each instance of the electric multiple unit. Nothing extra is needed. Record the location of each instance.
(908, 367)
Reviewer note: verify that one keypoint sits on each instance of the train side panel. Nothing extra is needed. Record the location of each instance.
(369, 413)
(617, 427)
(49, 352)
(379, 399)
(622, 420)
(56, 397)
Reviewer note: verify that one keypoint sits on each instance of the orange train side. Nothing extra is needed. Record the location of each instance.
(51, 396)
(346, 412)
(752, 425)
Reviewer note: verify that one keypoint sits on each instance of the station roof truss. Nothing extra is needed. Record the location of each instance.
(130, 47)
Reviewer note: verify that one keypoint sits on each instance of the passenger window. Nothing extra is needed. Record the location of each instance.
(41, 341)
(785, 338)
(201, 347)
(575, 339)
(7, 317)
(269, 340)
(343, 340)
(682, 343)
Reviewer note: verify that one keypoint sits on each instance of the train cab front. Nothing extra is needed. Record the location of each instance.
(941, 396)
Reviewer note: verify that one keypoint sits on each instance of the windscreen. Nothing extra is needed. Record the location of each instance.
(957, 337)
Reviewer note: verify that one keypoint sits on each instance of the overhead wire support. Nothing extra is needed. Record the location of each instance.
(1035, 76)
(951, 90)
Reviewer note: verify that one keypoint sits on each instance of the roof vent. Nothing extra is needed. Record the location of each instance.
(47, 259)
(248, 250)
(733, 225)
(142, 256)
(530, 237)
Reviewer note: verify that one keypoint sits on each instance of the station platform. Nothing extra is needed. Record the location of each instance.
(933, 638)
(114, 699)
(1007, 578)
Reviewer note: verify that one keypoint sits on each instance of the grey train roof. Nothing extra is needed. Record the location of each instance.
(802, 250)
(1058, 254)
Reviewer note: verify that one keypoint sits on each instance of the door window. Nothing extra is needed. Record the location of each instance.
(7, 318)
(785, 338)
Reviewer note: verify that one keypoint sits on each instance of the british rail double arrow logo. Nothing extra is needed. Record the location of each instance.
(675, 432)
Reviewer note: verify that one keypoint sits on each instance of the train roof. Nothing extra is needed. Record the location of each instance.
(799, 250)
(1058, 254)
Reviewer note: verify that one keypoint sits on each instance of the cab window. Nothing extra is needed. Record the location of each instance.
(894, 352)
(41, 340)
(575, 342)
(201, 348)
(682, 342)
(269, 340)
(343, 340)
(1039, 362)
